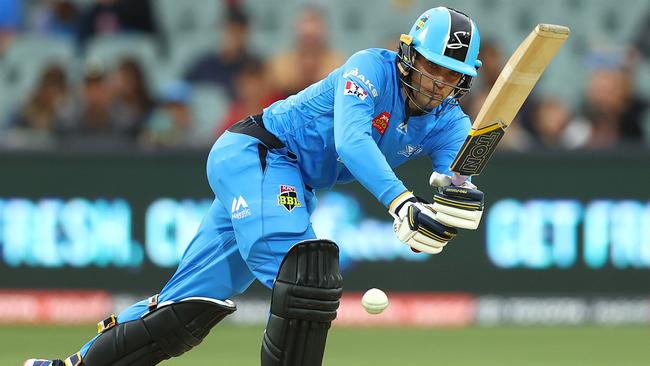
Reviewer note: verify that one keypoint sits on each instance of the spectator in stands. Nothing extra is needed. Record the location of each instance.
(516, 139)
(133, 102)
(638, 54)
(493, 61)
(311, 58)
(48, 106)
(612, 109)
(641, 41)
(116, 16)
(252, 94)
(554, 126)
(220, 67)
(96, 123)
(55, 17)
(171, 123)
(11, 12)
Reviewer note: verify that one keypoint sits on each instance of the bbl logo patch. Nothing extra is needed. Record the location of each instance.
(288, 197)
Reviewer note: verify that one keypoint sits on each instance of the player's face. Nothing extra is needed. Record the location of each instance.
(434, 82)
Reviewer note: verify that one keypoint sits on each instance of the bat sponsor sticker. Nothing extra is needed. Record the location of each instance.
(477, 150)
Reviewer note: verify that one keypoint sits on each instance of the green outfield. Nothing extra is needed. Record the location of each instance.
(230, 345)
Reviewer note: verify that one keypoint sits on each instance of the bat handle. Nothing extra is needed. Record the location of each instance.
(458, 179)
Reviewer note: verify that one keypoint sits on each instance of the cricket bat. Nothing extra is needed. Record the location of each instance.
(514, 84)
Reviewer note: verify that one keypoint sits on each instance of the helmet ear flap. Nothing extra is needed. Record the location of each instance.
(405, 55)
(466, 81)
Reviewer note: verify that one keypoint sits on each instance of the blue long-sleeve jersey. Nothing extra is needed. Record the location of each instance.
(349, 126)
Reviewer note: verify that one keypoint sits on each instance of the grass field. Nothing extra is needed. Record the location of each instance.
(239, 346)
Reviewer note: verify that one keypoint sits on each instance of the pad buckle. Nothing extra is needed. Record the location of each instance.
(107, 324)
(74, 360)
(153, 302)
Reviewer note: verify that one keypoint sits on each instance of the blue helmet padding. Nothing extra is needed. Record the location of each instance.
(431, 35)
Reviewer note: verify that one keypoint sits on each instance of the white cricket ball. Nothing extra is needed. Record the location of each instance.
(374, 301)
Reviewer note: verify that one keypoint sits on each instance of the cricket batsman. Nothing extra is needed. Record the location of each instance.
(378, 110)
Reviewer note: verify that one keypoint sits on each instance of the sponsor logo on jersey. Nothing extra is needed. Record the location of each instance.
(420, 23)
(380, 123)
(402, 128)
(240, 208)
(351, 88)
(411, 150)
(355, 72)
(288, 197)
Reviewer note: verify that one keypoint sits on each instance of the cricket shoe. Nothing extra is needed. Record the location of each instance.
(74, 360)
(38, 362)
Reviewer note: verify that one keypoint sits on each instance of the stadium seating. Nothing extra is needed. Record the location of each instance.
(190, 28)
(188, 17)
(184, 51)
(271, 24)
(112, 49)
(25, 59)
(209, 105)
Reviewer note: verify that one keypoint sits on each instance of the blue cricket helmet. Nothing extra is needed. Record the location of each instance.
(448, 38)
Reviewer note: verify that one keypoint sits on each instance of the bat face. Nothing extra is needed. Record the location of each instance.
(514, 84)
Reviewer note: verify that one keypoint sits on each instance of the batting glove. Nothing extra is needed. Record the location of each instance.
(456, 206)
(415, 225)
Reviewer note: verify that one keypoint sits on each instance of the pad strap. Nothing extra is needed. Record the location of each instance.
(107, 324)
(167, 331)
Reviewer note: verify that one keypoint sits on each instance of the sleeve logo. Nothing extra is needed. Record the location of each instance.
(364, 81)
(288, 197)
(420, 23)
(380, 123)
(351, 88)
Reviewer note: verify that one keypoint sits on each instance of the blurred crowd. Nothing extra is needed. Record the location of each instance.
(611, 114)
(114, 105)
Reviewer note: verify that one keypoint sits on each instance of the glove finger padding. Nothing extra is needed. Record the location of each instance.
(459, 207)
(415, 224)
(418, 247)
(430, 236)
(456, 221)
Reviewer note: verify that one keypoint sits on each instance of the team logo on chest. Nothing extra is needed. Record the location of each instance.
(288, 197)
(380, 123)
(410, 150)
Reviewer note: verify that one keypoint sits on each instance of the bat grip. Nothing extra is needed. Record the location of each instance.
(458, 179)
